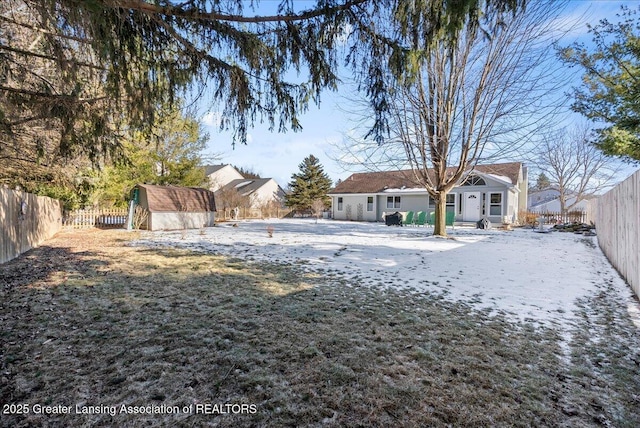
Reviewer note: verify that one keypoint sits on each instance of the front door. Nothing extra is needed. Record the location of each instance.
(471, 207)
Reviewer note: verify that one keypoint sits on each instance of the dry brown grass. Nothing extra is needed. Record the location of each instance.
(89, 320)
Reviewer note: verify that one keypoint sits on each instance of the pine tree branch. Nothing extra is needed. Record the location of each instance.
(43, 31)
(177, 11)
(48, 57)
(52, 96)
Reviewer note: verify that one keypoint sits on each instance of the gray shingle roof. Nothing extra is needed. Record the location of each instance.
(376, 182)
(246, 186)
(210, 169)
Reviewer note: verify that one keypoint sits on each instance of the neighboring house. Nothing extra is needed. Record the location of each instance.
(220, 175)
(172, 207)
(259, 191)
(548, 200)
(537, 197)
(554, 206)
(496, 192)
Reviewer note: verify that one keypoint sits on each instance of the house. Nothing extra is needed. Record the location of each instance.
(537, 197)
(220, 175)
(225, 180)
(497, 192)
(548, 200)
(172, 207)
(259, 191)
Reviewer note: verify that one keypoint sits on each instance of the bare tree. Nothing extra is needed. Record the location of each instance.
(140, 217)
(318, 206)
(229, 198)
(477, 96)
(574, 165)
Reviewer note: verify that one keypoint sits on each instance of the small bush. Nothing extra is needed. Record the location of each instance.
(527, 218)
(140, 216)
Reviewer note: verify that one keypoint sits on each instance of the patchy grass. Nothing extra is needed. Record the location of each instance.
(89, 321)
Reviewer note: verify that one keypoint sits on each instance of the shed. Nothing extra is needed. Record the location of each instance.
(173, 207)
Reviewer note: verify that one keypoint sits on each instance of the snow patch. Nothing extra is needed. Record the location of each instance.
(530, 276)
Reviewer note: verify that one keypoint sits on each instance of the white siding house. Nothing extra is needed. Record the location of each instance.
(260, 191)
(221, 175)
(548, 200)
(496, 192)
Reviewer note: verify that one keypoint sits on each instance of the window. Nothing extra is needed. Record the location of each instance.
(340, 203)
(451, 202)
(484, 203)
(393, 201)
(460, 203)
(495, 204)
(474, 180)
(369, 203)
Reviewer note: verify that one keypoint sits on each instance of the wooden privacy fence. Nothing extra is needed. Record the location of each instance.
(26, 220)
(618, 225)
(102, 218)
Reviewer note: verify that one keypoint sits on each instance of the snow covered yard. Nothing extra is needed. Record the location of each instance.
(328, 324)
(535, 277)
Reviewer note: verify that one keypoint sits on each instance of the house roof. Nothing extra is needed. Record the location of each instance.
(178, 199)
(376, 182)
(246, 186)
(533, 191)
(210, 169)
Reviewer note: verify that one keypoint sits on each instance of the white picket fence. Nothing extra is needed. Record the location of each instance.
(102, 218)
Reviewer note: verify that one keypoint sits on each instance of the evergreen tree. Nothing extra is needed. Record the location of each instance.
(172, 157)
(309, 184)
(610, 93)
(542, 182)
(75, 74)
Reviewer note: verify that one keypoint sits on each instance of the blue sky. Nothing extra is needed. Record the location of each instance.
(277, 155)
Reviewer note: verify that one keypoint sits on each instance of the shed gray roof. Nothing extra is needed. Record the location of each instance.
(178, 199)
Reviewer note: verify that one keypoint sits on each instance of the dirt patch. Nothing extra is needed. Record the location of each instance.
(191, 339)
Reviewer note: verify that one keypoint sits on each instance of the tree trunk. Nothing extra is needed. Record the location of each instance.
(439, 228)
(563, 206)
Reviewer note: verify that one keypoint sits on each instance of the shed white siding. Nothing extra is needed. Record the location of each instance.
(180, 220)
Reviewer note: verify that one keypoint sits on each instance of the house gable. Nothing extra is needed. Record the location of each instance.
(220, 175)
